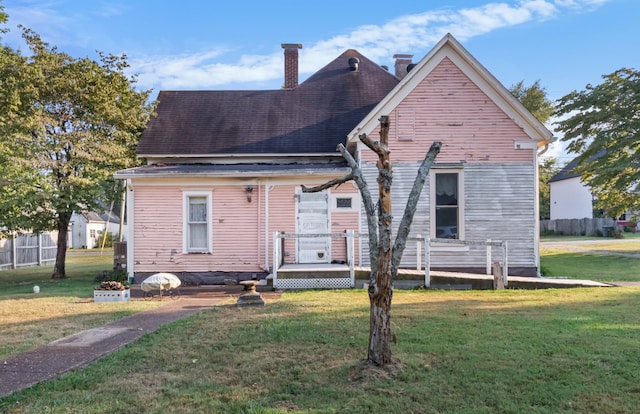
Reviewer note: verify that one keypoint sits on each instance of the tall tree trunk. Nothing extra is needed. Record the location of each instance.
(61, 255)
(380, 293)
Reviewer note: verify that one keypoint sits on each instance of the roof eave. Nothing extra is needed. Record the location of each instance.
(127, 174)
(252, 155)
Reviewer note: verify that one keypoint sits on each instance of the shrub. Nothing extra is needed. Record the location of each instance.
(107, 238)
(117, 275)
(112, 285)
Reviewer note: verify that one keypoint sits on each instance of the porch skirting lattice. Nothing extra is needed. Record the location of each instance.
(315, 283)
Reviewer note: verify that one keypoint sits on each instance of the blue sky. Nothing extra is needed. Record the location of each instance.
(202, 44)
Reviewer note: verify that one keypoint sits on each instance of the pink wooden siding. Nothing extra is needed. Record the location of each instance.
(282, 218)
(158, 231)
(345, 220)
(239, 239)
(448, 107)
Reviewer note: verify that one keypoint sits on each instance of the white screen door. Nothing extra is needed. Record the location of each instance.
(313, 218)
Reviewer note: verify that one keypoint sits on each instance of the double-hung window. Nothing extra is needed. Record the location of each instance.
(447, 212)
(197, 222)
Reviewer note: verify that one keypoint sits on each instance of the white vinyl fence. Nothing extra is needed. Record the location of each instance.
(28, 250)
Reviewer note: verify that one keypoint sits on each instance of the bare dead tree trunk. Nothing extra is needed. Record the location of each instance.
(384, 257)
(59, 271)
(380, 292)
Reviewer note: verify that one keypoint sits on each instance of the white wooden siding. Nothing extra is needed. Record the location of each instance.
(499, 205)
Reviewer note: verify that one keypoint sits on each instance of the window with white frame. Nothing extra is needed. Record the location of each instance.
(447, 209)
(197, 222)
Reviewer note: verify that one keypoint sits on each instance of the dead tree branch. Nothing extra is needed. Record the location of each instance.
(412, 202)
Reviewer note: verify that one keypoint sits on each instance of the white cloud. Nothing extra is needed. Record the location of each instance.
(403, 34)
(414, 33)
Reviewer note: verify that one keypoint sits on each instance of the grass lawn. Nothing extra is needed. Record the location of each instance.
(62, 307)
(513, 351)
(590, 260)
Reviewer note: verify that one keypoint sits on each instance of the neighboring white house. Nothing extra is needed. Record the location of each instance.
(570, 197)
(86, 228)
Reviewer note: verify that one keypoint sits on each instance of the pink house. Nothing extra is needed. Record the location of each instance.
(224, 169)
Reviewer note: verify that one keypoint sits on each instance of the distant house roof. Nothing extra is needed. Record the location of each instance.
(102, 217)
(569, 170)
(311, 118)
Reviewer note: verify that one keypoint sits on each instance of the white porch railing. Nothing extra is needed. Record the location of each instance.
(278, 253)
(423, 249)
(488, 243)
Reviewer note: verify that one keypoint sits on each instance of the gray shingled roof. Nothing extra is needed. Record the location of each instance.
(311, 118)
(566, 172)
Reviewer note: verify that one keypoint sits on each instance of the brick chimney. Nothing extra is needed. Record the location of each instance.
(402, 61)
(291, 64)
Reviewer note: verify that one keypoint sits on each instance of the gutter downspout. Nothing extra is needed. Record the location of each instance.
(259, 203)
(130, 228)
(267, 188)
(546, 147)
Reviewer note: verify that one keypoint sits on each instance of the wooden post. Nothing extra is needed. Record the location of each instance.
(427, 262)
(418, 253)
(14, 252)
(488, 256)
(505, 261)
(274, 271)
(39, 243)
(350, 257)
(498, 280)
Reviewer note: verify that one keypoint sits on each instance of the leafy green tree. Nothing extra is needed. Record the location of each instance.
(534, 98)
(547, 168)
(602, 125)
(66, 125)
(3, 18)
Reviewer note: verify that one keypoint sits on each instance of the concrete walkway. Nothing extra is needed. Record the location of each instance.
(46, 362)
